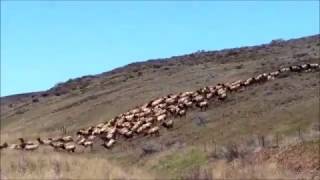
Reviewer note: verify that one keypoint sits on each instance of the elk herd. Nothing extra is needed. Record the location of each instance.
(146, 119)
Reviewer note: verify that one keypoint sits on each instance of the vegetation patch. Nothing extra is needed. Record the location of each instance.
(180, 162)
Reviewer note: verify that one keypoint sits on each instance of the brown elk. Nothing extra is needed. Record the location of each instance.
(69, 147)
(154, 131)
(110, 143)
(31, 147)
(203, 105)
(4, 145)
(168, 124)
(44, 142)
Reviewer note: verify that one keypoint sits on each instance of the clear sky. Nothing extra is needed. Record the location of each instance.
(43, 43)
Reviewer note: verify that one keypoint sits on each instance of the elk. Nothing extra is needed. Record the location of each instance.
(112, 121)
(144, 127)
(83, 132)
(88, 144)
(56, 139)
(81, 141)
(282, 70)
(160, 112)
(154, 131)
(135, 111)
(209, 95)
(91, 138)
(295, 68)
(188, 93)
(128, 134)
(261, 77)
(157, 101)
(305, 66)
(269, 77)
(69, 147)
(248, 82)
(123, 131)
(45, 142)
(56, 145)
(31, 147)
(182, 100)
(15, 146)
(110, 143)
(129, 117)
(149, 119)
(22, 142)
(135, 126)
(173, 109)
(161, 117)
(198, 98)
(127, 125)
(314, 66)
(4, 145)
(275, 73)
(203, 105)
(67, 139)
(168, 124)
(100, 125)
(188, 104)
(222, 94)
(96, 131)
(170, 101)
(182, 113)
(234, 87)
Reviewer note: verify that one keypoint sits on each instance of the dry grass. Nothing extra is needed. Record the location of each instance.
(297, 161)
(238, 170)
(42, 165)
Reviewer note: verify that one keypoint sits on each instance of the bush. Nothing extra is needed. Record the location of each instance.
(239, 66)
(21, 111)
(45, 94)
(232, 152)
(156, 66)
(277, 41)
(148, 149)
(140, 73)
(35, 100)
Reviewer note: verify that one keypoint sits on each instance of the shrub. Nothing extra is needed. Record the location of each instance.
(21, 111)
(140, 73)
(45, 94)
(35, 100)
(148, 149)
(156, 66)
(232, 152)
(239, 66)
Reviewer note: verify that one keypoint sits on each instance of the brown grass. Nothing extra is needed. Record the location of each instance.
(44, 165)
(238, 170)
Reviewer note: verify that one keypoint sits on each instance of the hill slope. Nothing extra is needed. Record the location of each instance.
(91, 99)
(283, 106)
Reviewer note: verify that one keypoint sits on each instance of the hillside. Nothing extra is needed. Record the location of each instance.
(283, 107)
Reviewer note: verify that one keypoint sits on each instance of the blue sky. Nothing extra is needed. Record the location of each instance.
(43, 43)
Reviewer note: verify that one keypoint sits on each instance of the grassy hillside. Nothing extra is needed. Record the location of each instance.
(281, 108)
